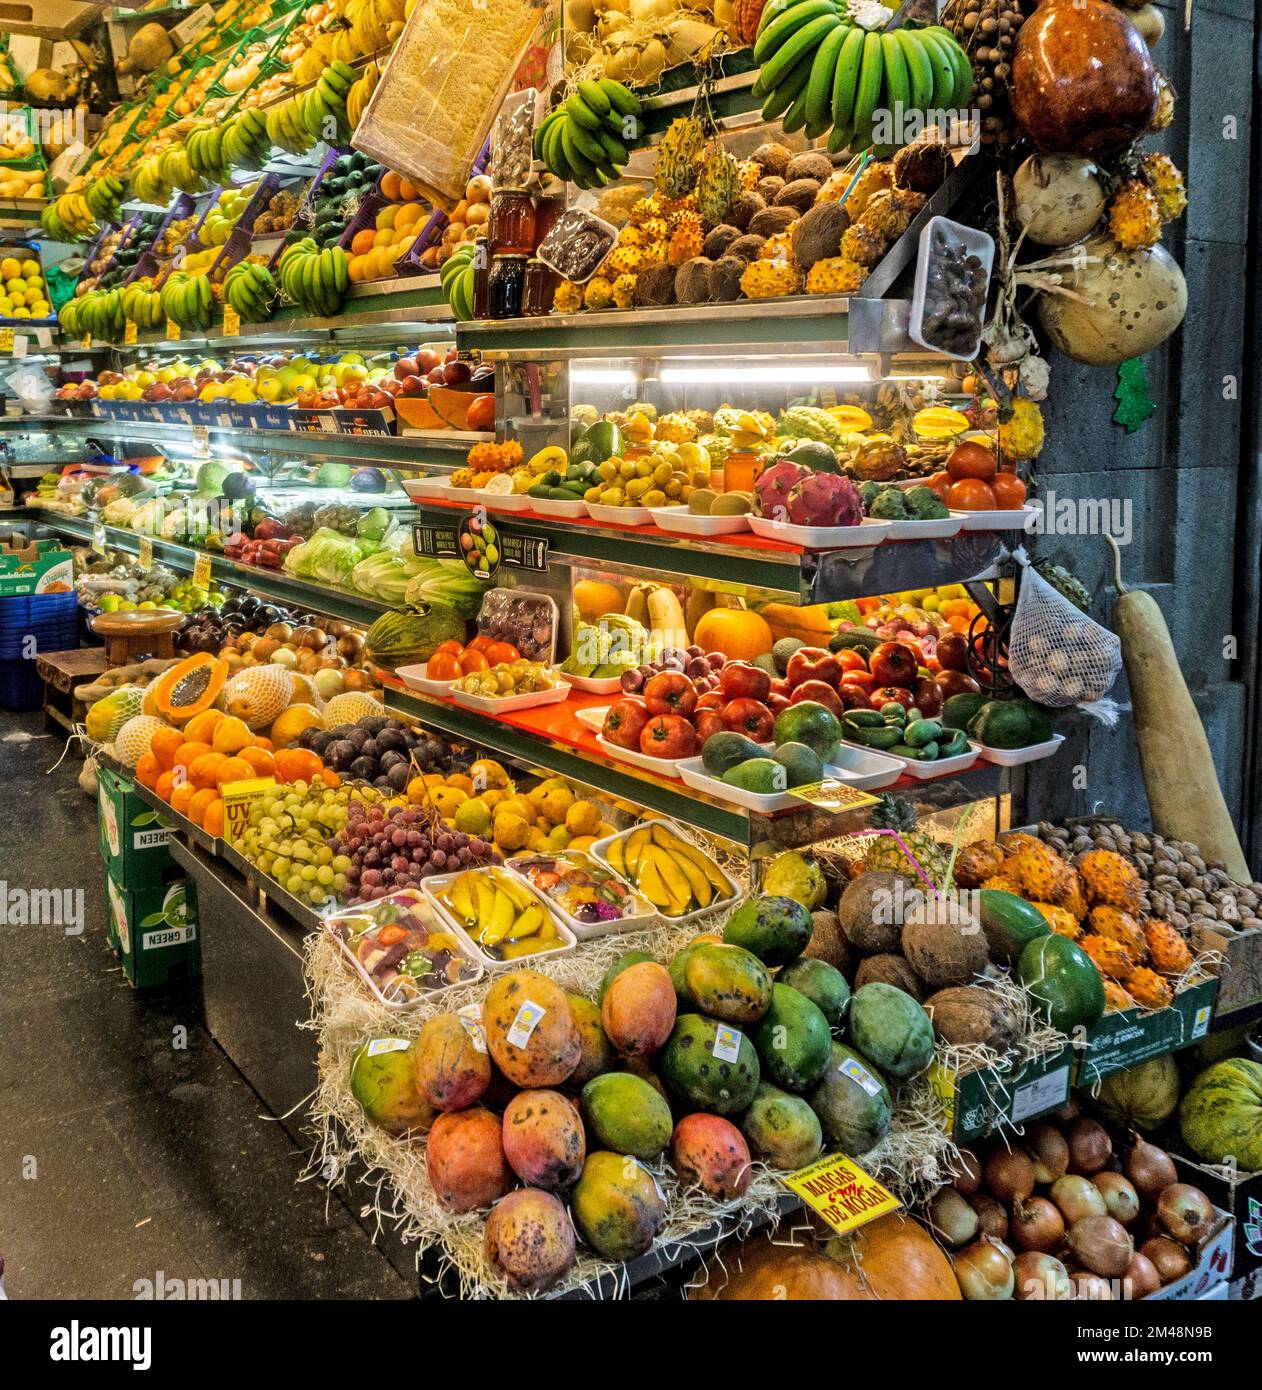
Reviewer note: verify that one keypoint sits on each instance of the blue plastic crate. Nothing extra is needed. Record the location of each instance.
(20, 685)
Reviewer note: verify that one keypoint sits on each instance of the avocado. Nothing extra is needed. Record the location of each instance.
(1000, 724)
(802, 765)
(725, 750)
(599, 442)
(1041, 729)
(959, 709)
(731, 504)
(763, 776)
(782, 651)
(810, 723)
(813, 454)
(765, 661)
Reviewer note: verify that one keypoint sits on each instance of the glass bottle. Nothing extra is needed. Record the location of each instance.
(507, 287)
(511, 224)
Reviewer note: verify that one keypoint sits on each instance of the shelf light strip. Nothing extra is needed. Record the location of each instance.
(757, 376)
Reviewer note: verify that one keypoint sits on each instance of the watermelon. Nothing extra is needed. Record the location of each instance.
(1067, 988)
(1221, 1114)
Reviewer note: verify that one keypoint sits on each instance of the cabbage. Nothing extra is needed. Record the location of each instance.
(374, 525)
(449, 583)
(210, 476)
(383, 576)
(327, 556)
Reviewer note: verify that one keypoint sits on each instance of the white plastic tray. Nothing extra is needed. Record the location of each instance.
(1017, 519)
(664, 767)
(1014, 757)
(422, 489)
(936, 530)
(431, 886)
(859, 768)
(865, 769)
(601, 850)
(620, 516)
(506, 704)
(593, 685)
(414, 678)
(870, 532)
(923, 772)
(979, 244)
(593, 717)
(588, 931)
(549, 506)
(492, 501)
(680, 521)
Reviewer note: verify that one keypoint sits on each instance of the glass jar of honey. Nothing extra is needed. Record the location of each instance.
(507, 288)
(511, 224)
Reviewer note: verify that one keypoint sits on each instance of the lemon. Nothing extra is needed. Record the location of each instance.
(473, 817)
(31, 269)
(10, 268)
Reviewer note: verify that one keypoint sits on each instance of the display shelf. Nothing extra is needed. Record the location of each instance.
(745, 560)
(552, 736)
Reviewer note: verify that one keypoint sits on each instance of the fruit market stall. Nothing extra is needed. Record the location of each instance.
(616, 651)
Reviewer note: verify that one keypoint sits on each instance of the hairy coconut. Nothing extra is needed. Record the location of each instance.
(943, 943)
(868, 910)
(967, 1014)
(889, 969)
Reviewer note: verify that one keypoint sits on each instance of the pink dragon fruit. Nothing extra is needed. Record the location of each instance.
(825, 499)
(774, 486)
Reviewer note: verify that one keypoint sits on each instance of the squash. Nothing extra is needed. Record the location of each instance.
(759, 1269)
(738, 633)
(1145, 1095)
(1185, 799)
(809, 623)
(190, 687)
(1221, 1115)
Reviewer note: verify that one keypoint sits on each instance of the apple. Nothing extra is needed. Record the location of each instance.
(426, 360)
(406, 367)
(436, 377)
(456, 373)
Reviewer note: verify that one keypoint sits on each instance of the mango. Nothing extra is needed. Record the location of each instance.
(465, 1159)
(638, 1010)
(793, 1040)
(617, 1206)
(709, 1152)
(823, 984)
(783, 1131)
(453, 1068)
(530, 1029)
(624, 962)
(726, 982)
(703, 1078)
(598, 1054)
(627, 1115)
(383, 1082)
(529, 1240)
(543, 1139)
(777, 929)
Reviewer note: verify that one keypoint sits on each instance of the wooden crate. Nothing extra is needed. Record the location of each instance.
(61, 672)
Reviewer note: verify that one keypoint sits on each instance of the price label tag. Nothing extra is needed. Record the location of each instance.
(201, 570)
(378, 1046)
(130, 333)
(201, 440)
(144, 552)
(20, 343)
(231, 322)
(727, 1043)
(86, 341)
(173, 330)
(838, 1191)
(238, 798)
(98, 538)
(831, 795)
(528, 1018)
(6, 340)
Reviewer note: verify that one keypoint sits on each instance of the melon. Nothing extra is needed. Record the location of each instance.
(288, 725)
(305, 692)
(258, 694)
(350, 708)
(1221, 1114)
(134, 738)
(108, 715)
(1142, 1096)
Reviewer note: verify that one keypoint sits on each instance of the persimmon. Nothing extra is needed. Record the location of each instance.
(260, 760)
(212, 817)
(148, 770)
(971, 460)
(970, 495)
(450, 645)
(296, 765)
(1010, 492)
(200, 801)
(164, 745)
(444, 666)
(502, 652)
(181, 794)
(234, 770)
(475, 660)
(165, 785)
(940, 483)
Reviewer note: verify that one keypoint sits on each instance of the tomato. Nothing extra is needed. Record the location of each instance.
(742, 680)
(710, 700)
(499, 652)
(853, 697)
(971, 459)
(752, 718)
(444, 666)
(670, 692)
(861, 680)
(956, 683)
(624, 722)
(777, 702)
(480, 643)
(821, 693)
(455, 648)
(707, 722)
(970, 495)
(894, 663)
(812, 664)
(474, 661)
(892, 694)
(953, 652)
(851, 660)
(668, 736)
(940, 482)
(928, 696)
(1009, 491)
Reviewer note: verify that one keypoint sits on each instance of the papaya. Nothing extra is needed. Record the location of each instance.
(627, 1115)
(823, 984)
(775, 929)
(624, 962)
(725, 982)
(782, 1130)
(543, 1139)
(597, 1052)
(383, 1082)
(452, 1066)
(709, 1152)
(530, 1029)
(889, 1026)
(694, 1072)
(793, 1040)
(529, 1240)
(190, 687)
(1009, 922)
(852, 1102)
(617, 1206)
(638, 1010)
(464, 1156)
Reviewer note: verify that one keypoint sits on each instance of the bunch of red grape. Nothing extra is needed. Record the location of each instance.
(394, 847)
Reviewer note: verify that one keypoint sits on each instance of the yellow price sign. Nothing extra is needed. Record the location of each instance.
(238, 798)
(6, 340)
(86, 341)
(173, 330)
(201, 570)
(838, 1191)
(831, 795)
(130, 332)
(231, 322)
(144, 551)
(942, 1081)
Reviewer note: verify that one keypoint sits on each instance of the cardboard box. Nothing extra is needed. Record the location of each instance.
(156, 929)
(40, 567)
(1241, 1195)
(1211, 1269)
(1241, 977)
(978, 1102)
(134, 837)
(1130, 1036)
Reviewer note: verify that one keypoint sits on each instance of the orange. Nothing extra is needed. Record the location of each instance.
(355, 268)
(458, 779)
(259, 760)
(362, 241)
(231, 736)
(970, 495)
(212, 819)
(408, 214)
(330, 778)
(297, 765)
(165, 785)
(408, 191)
(148, 770)
(403, 246)
(201, 728)
(204, 771)
(188, 753)
(266, 744)
(197, 806)
(181, 795)
(164, 744)
(390, 182)
(233, 770)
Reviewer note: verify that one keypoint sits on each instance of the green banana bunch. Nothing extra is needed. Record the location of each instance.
(250, 289)
(313, 278)
(99, 313)
(818, 70)
(187, 300)
(455, 277)
(285, 129)
(589, 139)
(148, 184)
(322, 108)
(205, 150)
(68, 315)
(143, 306)
(70, 218)
(245, 141)
(105, 198)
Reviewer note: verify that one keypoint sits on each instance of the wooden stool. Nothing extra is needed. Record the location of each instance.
(61, 672)
(137, 633)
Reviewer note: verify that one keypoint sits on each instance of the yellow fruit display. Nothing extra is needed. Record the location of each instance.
(674, 874)
(505, 919)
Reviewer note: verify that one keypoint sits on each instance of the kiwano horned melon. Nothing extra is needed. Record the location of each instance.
(696, 1068)
(108, 715)
(133, 739)
(617, 1205)
(709, 1152)
(452, 1070)
(638, 1010)
(529, 1239)
(383, 1083)
(190, 687)
(852, 1102)
(258, 695)
(465, 1159)
(544, 1140)
(627, 1115)
(783, 1131)
(530, 1029)
(350, 707)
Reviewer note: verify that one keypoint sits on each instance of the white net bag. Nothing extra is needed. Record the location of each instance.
(1058, 655)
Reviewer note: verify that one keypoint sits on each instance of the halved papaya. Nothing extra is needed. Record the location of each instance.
(190, 687)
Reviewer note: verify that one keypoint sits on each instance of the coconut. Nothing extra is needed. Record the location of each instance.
(772, 158)
(799, 194)
(717, 242)
(655, 287)
(745, 208)
(817, 235)
(968, 1014)
(828, 941)
(692, 281)
(772, 220)
(725, 279)
(746, 248)
(944, 944)
(768, 187)
(868, 910)
(811, 164)
(1059, 198)
(889, 969)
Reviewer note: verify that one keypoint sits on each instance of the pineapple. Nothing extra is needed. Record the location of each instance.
(1061, 922)
(679, 157)
(1149, 989)
(885, 852)
(1109, 878)
(1110, 957)
(1119, 926)
(1167, 950)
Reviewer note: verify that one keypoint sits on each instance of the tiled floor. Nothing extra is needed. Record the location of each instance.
(129, 1143)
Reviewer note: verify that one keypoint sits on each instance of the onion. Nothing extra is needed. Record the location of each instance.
(1037, 1225)
(1090, 1147)
(951, 1218)
(1141, 1277)
(1151, 1169)
(1009, 1174)
(1186, 1212)
(1077, 1197)
(1101, 1245)
(1069, 1111)
(1091, 1286)
(1119, 1195)
(1048, 1151)
(1168, 1257)
(984, 1272)
(1040, 1277)
(992, 1216)
(969, 1177)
